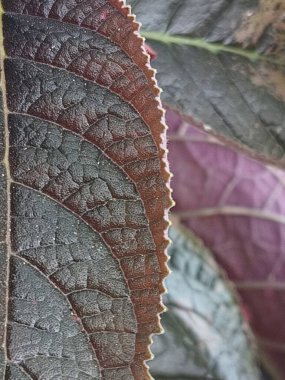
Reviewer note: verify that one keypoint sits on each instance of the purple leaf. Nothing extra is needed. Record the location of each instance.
(236, 205)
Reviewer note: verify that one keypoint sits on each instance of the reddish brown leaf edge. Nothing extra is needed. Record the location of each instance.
(147, 170)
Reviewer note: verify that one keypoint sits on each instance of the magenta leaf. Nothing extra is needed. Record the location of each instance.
(237, 206)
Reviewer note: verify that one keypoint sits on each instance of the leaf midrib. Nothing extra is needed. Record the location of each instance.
(6, 165)
(212, 47)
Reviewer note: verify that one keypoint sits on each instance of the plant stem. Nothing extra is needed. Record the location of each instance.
(214, 48)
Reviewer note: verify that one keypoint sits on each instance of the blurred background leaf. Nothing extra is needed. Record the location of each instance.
(235, 204)
(221, 64)
(206, 336)
(235, 96)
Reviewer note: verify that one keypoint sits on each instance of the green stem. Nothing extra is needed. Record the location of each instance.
(214, 48)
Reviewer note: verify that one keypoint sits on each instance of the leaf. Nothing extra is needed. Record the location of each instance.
(236, 206)
(84, 192)
(222, 63)
(206, 337)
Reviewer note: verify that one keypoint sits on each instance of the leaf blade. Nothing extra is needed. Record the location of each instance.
(75, 144)
(238, 98)
(200, 295)
(239, 214)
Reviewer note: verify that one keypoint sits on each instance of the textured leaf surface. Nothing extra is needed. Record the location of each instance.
(206, 337)
(85, 184)
(236, 97)
(236, 205)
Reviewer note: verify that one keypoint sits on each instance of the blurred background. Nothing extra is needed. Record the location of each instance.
(221, 67)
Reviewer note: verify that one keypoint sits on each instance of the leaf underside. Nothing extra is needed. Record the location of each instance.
(84, 193)
(236, 206)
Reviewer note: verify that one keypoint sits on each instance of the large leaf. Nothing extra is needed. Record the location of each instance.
(84, 193)
(237, 97)
(205, 335)
(236, 205)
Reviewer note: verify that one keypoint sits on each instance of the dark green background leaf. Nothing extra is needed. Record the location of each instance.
(206, 336)
(236, 97)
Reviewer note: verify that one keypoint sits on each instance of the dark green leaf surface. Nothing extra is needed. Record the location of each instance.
(84, 193)
(238, 98)
(205, 334)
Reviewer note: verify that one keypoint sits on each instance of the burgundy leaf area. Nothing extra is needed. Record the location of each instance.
(236, 205)
(151, 52)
